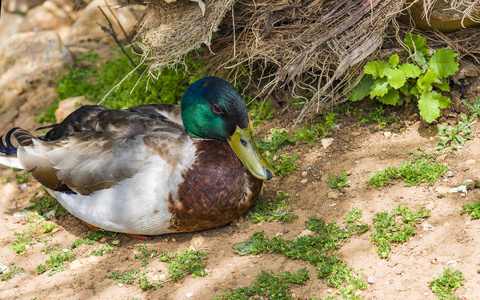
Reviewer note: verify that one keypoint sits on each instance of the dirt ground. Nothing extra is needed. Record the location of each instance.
(454, 240)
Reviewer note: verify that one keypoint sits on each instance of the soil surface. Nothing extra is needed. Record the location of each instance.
(453, 241)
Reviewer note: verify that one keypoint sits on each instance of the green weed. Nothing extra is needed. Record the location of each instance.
(21, 178)
(107, 248)
(22, 241)
(396, 84)
(376, 116)
(127, 277)
(396, 226)
(474, 109)
(457, 136)
(184, 262)
(145, 284)
(45, 205)
(271, 146)
(13, 270)
(274, 208)
(269, 285)
(472, 208)
(57, 262)
(94, 236)
(94, 82)
(446, 284)
(318, 249)
(47, 227)
(422, 168)
(146, 254)
(338, 182)
(4, 180)
(260, 111)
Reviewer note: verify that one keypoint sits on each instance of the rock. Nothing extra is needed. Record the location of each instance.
(51, 15)
(326, 142)
(19, 6)
(4, 269)
(306, 232)
(450, 174)
(370, 280)
(86, 28)
(442, 189)
(28, 59)
(387, 134)
(430, 206)
(470, 162)
(332, 195)
(9, 25)
(428, 227)
(75, 264)
(303, 181)
(197, 242)
(304, 174)
(67, 106)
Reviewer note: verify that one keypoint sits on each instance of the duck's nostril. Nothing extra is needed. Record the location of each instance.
(269, 174)
(244, 142)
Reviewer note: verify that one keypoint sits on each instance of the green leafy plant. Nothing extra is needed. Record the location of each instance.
(21, 178)
(47, 227)
(57, 262)
(260, 111)
(474, 109)
(318, 248)
(107, 248)
(271, 146)
(446, 284)
(127, 277)
(376, 116)
(13, 270)
(472, 208)
(396, 226)
(45, 205)
(338, 182)
(394, 84)
(145, 254)
(22, 241)
(274, 208)
(458, 135)
(268, 284)
(184, 262)
(422, 168)
(129, 88)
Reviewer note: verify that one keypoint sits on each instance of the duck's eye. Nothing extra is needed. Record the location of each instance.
(217, 109)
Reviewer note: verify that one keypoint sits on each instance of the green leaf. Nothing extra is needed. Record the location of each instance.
(393, 60)
(429, 107)
(391, 97)
(376, 68)
(379, 88)
(442, 84)
(442, 61)
(362, 89)
(419, 58)
(443, 102)
(425, 81)
(396, 78)
(410, 70)
(416, 43)
(414, 91)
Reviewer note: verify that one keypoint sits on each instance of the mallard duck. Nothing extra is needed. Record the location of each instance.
(149, 169)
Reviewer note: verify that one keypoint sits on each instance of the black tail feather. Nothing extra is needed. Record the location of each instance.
(9, 149)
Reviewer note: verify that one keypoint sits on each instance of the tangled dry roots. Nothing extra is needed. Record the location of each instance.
(314, 48)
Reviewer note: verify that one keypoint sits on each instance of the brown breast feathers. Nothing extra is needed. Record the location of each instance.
(216, 190)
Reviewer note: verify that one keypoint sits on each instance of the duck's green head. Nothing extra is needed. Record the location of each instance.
(213, 109)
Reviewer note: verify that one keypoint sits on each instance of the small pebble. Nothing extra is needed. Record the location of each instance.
(371, 280)
(4, 269)
(430, 206)
(22, 186)
(303, 181)
(450, 174)
(387, 134)
(189, 295)
(304, 174)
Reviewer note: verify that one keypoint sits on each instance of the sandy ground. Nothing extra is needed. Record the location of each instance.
(359, 150)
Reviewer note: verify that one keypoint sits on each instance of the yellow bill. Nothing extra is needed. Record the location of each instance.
(242, 143)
